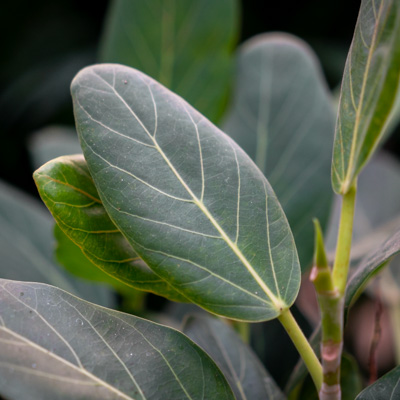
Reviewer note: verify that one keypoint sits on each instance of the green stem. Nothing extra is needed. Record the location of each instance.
(303, 346)
(343, 248)
(331, 305)
(243, 329)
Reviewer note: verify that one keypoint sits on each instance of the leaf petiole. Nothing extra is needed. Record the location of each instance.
(303, 346)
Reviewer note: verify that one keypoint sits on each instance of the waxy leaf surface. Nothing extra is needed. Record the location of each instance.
(67, 189)
(56, 346)
(240, 366)
(27, 247)
(282, 116)
(188, 199)
(369, 88)
(185, 45)
(385, 388)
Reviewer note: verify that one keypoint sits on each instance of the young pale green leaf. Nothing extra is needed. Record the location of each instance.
(27, 246)
(369, 88)
(385, 388)
(67, 189)
(56, 346)
(188, 199)
(240, 366)
(282, 116)
(185, 45)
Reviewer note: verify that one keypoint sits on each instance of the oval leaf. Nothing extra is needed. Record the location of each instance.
(27, 247)
(282, 116)
(67, 189)
(369, 87)
(188, 199)
(186, 45)
(241, 367)
(56, 346)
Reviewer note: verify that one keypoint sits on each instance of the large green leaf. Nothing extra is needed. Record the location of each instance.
(27, 245)
(385, 388)
(282, 116)
(185, 44)
(369, 87)
(241, 367)
(188, 199)
(67, 189)
(56, 346)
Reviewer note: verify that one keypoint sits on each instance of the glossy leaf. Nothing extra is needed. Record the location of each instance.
(385, 388)
(282, 116)
(67, 189)
(240, 366)
(74, 349)
(369, 88)
(185, 45)
(188, 199)
(27, 244)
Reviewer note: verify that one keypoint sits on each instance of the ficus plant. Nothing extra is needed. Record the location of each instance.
(163, 201)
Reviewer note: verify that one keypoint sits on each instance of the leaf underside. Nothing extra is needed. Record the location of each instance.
(369, 88)
(56, 346)
(67, 189)
(282, 116)
(188, 199)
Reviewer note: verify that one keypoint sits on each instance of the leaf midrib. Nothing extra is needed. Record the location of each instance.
(347, 181)
(278, 303)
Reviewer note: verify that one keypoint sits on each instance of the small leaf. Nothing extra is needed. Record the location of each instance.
(282, 116)
(56, 346)
(369, 88)
(188, 199)
(67, 189)
(186, 45)
(385, 388)
(27, 245)
(240, 366)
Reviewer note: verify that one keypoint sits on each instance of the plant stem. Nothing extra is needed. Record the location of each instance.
(331, 306)
(303, 346)
(331, 287)
(343, 248)
(243, 329)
